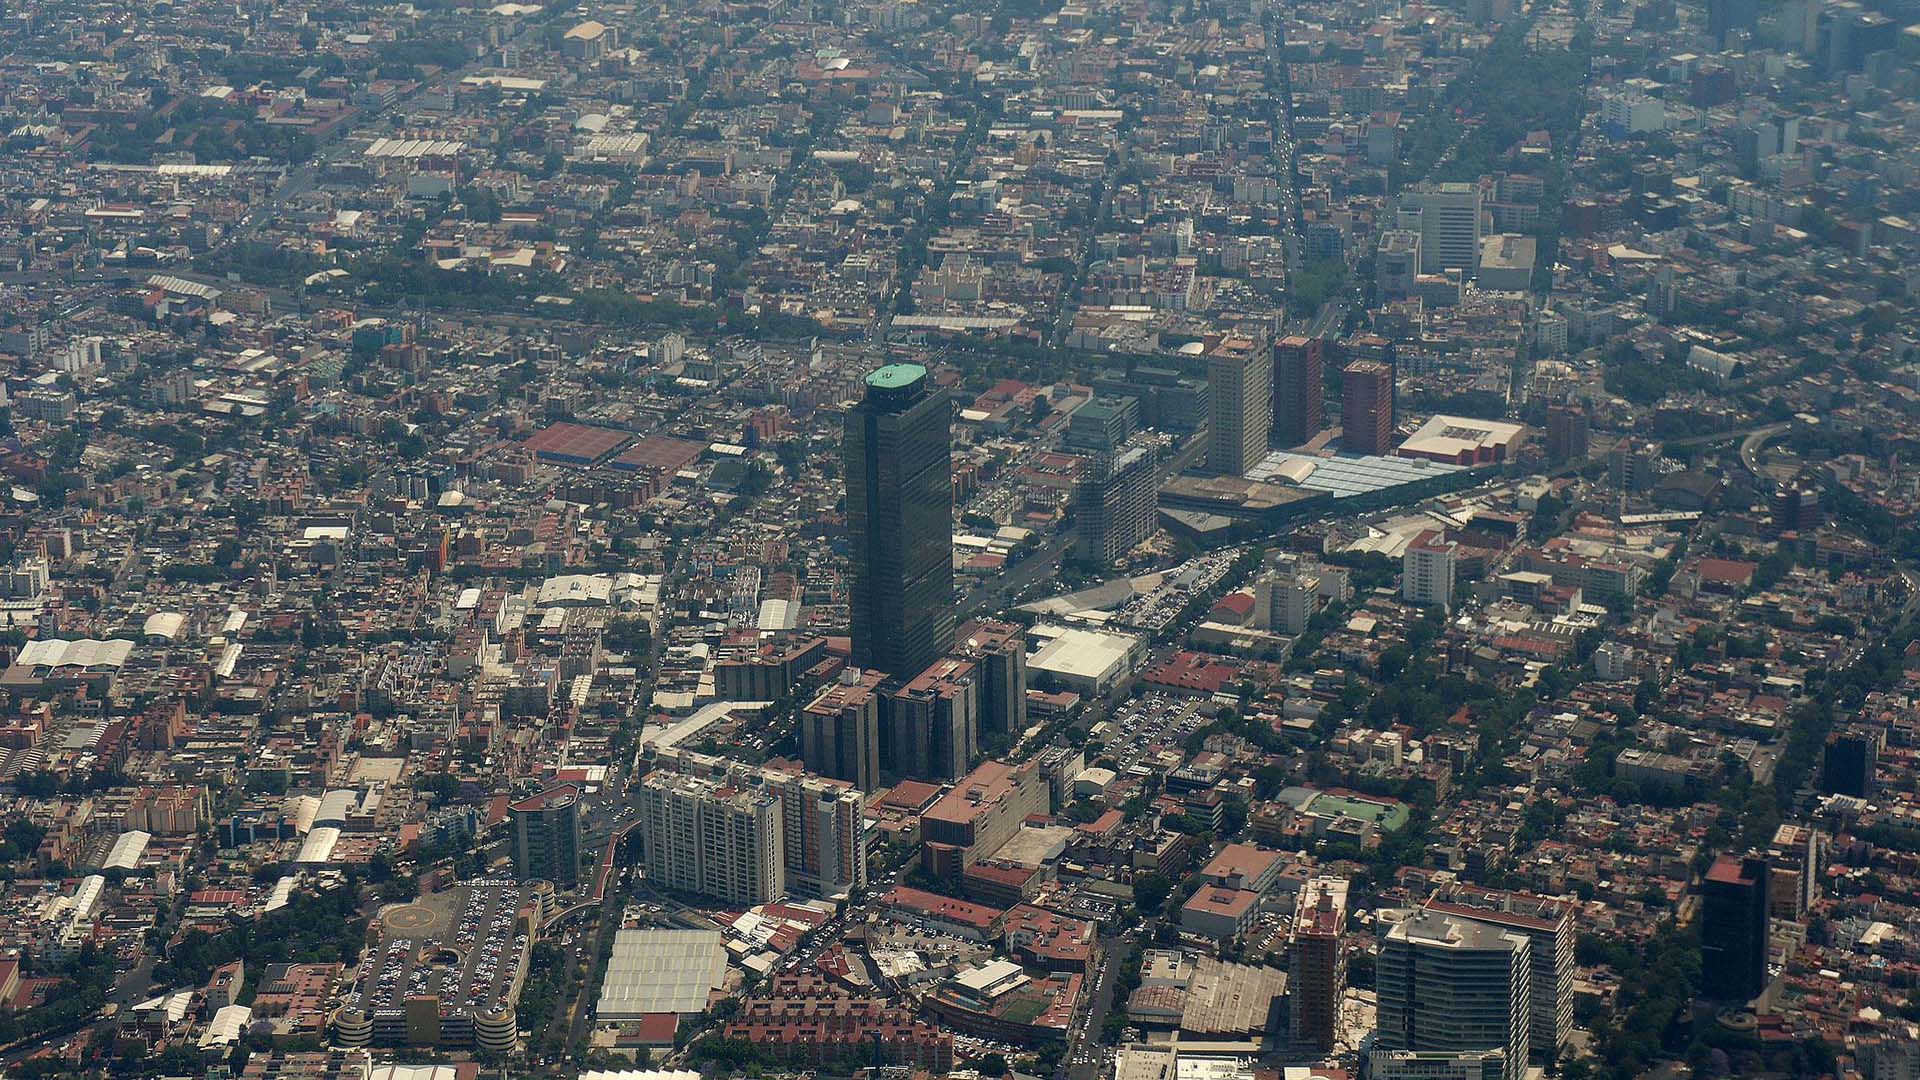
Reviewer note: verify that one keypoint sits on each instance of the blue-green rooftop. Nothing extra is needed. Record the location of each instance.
(896, 376)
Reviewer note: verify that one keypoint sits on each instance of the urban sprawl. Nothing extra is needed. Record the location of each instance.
(1106, 540)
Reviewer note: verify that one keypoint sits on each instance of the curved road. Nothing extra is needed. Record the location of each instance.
(1751, 445)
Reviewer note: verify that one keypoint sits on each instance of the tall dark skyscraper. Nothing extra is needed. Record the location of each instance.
(1733, 929)
(1849, 763)
(898, 451)
(1366, 403)
(1728, 15)
(1299, 395)
(1569, 433)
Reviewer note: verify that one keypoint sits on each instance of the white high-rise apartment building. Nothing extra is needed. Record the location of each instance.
(1548, 924)
(1427, 570)
(713, 838)
(1285, 602)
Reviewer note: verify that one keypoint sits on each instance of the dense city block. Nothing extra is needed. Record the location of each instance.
(1027, 540)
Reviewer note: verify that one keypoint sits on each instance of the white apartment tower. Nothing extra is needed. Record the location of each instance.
(1285, 602)
(1548, 924)
(713, 838)
(1427, 570)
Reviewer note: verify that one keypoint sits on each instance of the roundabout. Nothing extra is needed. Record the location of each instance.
(410, 919)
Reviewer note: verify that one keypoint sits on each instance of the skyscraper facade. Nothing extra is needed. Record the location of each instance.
(1285, 601)
(1396, 264)
(1569, 433)
(1633, 464)
(546, 836)
(1239, 388)
(999, 653)
(1724, 16)
(712, 838)
(1299, 392)
(821, 843)
(1795, 506)
(1428, 569)
(840, 729)
(1114, 503)
(899, 476)
(1849, 762)
(1317, 964)
(935, 727)
(1449, 216)
(1366, 407)
(823, 833)
(1548, 924)
(1449, 984)
(1733, 929)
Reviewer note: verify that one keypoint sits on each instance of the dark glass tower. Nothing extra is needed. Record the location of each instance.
(1733, 929)
(1299, 393)
(898, 451)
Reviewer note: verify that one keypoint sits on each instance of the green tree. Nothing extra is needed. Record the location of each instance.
(1150, 891)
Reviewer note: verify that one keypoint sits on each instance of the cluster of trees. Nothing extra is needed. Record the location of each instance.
(1513, 88)
(417, 52)
(1772, 569)
(390, 279)
(281, 69)
(1662, 576)
(733, 1056)
(1413, 690)
(1125, 982)
(550, 980)
(481, 204)
(71, 1002)
(439, 788)
(215, 130)
(1877, 668)
(630, 635)
(20, 839)
(1644, 383)
(623, 309)
(44, 784)
(1367, 570)
(1902, 541)
(1314, 284)
(260, 264)
(913, 250)
(312, 928)
(1656, 983)
(855, 176)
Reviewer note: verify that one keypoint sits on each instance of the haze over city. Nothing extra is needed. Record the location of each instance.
(1004, 539)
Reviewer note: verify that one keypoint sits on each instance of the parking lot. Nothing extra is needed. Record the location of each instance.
(1149, 722)
(463, 946)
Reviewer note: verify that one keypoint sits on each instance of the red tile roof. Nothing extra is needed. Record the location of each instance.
(945, 908)
(577, 441)
(1726, 571)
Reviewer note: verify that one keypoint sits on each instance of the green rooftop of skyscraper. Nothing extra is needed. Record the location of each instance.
(896, 376)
